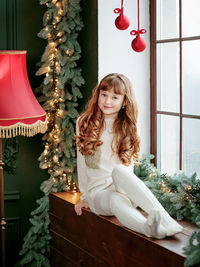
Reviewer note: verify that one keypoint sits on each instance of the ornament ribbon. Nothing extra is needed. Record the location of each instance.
(118, 10)
(141, 31)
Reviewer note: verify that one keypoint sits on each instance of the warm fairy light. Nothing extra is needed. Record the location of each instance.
(55, 93)
(69, 52)
(56, 137)
(163, 186)
(58, 4)
(61, 99)
(55, 158)
(74, 188)
(68, 170)
(47, 145)
(59, 112)
(59, 34)
(51, 103)
(52, 43)
(57, 19)
(46, 28)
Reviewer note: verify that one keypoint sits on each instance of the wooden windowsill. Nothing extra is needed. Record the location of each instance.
(111, 233)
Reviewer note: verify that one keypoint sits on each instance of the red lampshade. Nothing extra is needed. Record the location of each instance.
(20, 112)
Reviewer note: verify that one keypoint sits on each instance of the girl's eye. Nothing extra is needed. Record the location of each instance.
(115, 97)
(103, 94)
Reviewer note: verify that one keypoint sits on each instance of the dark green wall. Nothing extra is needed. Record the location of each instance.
(89, 45)
(20, 21)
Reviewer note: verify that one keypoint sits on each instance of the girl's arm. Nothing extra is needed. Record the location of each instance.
(81, 169)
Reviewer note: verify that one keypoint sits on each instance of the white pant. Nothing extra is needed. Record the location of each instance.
(121, 200)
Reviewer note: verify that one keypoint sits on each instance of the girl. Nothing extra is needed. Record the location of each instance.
(107, 145)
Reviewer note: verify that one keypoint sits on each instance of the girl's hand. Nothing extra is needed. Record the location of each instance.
(78, 207)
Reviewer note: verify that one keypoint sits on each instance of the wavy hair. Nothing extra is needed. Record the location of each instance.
(126, 142)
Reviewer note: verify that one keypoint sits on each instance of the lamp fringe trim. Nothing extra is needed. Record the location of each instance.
(23, 129)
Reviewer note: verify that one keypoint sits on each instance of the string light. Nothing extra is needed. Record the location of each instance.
(55, 38)
(45, 152)
(52, 43)
(55, 158)
(69, 52)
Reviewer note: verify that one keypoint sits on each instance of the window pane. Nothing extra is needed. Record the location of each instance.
(191, 146)
(168, 77)
(168, 144)
(191, 77)
(190, 18)
(167, 19)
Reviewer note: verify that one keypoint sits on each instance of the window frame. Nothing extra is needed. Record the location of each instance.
(153, 80)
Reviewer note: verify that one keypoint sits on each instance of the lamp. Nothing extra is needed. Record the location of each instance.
(20, 113)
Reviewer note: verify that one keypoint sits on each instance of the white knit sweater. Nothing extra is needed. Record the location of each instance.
(95, 172)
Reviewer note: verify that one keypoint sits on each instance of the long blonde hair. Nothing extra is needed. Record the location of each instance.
(126, 142)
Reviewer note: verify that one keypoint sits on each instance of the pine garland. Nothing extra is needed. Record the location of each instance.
(59, 95)
(193, 250)
(179, 195)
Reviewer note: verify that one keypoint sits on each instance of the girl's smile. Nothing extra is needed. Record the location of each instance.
(110, 103)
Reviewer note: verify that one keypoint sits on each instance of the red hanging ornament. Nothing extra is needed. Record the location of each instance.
(138, 44)
(122, 21)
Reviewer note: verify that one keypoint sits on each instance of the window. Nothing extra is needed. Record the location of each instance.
(175, 85)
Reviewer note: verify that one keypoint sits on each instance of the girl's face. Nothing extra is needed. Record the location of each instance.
(110, 103)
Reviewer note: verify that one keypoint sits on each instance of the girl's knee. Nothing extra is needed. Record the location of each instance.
(114, 200)
(117, 200)
(121, 169)
(120, 173)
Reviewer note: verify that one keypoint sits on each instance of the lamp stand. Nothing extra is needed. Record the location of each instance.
(2, 216)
